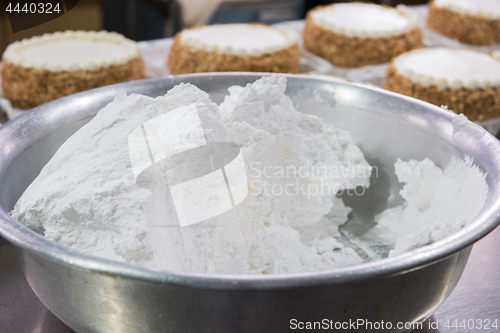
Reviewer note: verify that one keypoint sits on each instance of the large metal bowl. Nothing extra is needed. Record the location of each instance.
(95, 295)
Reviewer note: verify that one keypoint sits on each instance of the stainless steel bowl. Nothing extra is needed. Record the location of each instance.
(96, 295)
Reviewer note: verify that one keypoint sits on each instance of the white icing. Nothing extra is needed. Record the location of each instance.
(365, 20)
(72, 50)
(450, 68)
(240, 39)
(489, 9)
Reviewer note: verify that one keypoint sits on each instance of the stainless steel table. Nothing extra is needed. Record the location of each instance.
(477, 296)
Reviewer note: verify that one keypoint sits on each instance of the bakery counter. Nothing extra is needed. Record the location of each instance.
(20, 310)
(475, 299)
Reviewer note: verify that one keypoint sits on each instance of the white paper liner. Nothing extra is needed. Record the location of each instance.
(11, 111)
(436, 39)
(6, 107)
(155, 54)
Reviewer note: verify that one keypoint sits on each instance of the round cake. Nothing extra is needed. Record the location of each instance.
(466, 81)
(234, 47)
(359, 34)
(40, 69)
(475, 22)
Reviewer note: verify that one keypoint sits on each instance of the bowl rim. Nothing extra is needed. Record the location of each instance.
(486, 221)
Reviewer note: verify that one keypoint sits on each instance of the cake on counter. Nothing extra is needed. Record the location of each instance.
(359, 34)
(466, 81)
(40, 69)
(234, 47)
(475, 22)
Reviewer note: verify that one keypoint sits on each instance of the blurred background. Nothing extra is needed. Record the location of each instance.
(154, 19)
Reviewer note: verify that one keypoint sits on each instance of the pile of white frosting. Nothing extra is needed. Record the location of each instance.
(86, 197)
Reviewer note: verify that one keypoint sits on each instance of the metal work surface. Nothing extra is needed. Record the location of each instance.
(477, 295)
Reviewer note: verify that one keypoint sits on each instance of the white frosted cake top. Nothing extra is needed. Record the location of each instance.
(72, 50)
(365, 20)
(240, 39)
(450, 68)
(489, 9)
